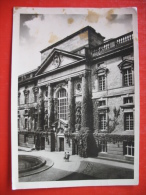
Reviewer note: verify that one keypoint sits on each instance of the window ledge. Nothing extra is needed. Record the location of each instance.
(129, 156)
(103, 152)
(103, 108)
(127, 105)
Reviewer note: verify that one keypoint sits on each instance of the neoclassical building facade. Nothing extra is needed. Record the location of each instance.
(81, 98)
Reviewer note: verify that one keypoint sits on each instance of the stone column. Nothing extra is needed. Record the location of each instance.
(50, 106)
(85, 116)
(71, 106)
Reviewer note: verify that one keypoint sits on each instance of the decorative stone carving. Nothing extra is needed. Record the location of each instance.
(26, 91)
(62, 84)
(35, 89)
(101, 70)
(56, 60)
(55, 108)
(78, 116)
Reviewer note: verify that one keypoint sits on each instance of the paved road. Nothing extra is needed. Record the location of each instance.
(78, 168)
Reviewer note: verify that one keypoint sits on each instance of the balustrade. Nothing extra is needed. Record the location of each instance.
(113, 43)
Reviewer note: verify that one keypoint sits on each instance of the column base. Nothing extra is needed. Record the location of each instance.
(87, 143)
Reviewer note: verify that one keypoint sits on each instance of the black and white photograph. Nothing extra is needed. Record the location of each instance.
(74, 97)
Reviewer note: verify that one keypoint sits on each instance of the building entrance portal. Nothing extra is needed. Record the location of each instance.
(61, 144)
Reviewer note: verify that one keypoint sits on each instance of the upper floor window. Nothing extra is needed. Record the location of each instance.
(101, 82)
(127, 70)
(18, 123)
(35, 92)
(129, 121)
(26, 98)
(62, 104)
(19, 99)
(127, 77)
(101, 73)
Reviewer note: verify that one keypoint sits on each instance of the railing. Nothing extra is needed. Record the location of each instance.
(111, 44)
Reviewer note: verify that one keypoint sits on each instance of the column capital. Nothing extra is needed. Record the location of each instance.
(84, 74)
(49, 85)
(69, 79)
(35, 89)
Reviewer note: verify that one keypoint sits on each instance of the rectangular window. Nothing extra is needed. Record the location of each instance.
(129, 122)
(127, 76)
(18, 123)
(26, 99)
(102, 103)
(128, 148)
(18, 100)
(26, 123)
(102, 122)
(102, 82)
(128, 100)
(103, 146)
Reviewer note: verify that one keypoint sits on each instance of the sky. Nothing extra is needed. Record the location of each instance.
(38, 31)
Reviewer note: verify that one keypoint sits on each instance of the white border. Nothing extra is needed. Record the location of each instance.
(14, 90)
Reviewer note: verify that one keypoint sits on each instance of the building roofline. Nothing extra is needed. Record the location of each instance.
(70, 36)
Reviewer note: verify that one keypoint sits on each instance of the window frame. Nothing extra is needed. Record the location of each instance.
(128, 148)
(102, 82)
(127, 77)
(129, 121)
(103, 146)
(62, 106)
(103, 121)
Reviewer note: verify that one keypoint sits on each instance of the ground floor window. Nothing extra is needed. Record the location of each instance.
(128, 148)
(103, 146)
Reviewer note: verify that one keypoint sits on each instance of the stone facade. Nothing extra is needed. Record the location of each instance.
(81, 98)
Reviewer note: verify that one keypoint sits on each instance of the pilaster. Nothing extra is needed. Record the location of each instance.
(71, 106)
(85, 116)
(50, 106)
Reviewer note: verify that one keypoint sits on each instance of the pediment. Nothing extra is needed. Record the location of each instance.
(57, 59)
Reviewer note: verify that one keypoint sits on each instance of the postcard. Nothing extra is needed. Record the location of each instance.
(74, 97)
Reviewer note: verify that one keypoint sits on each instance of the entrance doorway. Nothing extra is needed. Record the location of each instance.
(61, 144)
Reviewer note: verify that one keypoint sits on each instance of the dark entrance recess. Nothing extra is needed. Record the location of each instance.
(75, 147)
(61, 140)
(40, 143)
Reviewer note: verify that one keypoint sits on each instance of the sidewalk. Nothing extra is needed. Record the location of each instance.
(77, 167)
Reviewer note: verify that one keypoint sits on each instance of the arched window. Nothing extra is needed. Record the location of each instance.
(62, 104)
